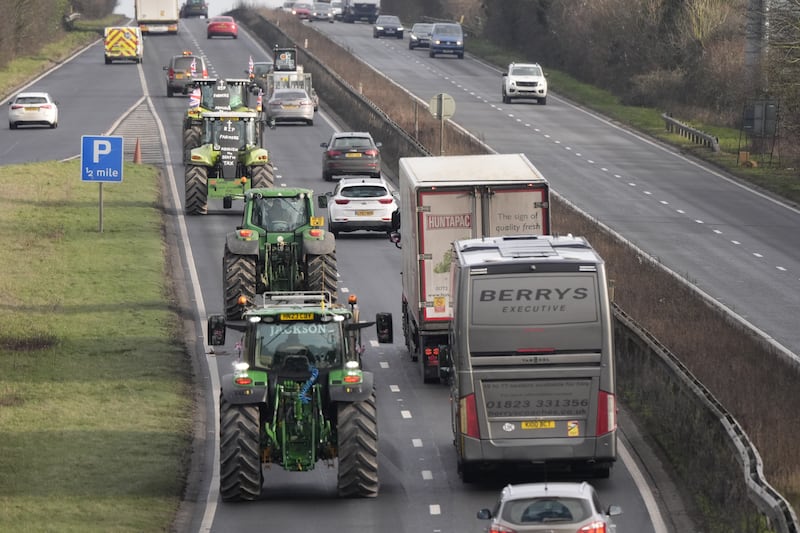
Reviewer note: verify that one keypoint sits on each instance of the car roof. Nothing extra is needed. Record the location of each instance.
(361, 180)
(525, 65)
(31, 94)
(338, 134)
(533, 490)
(224, 18)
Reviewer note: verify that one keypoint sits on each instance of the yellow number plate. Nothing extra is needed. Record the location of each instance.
(297, 316)
(364, 213)
(353, 154)
(539, 424)
(317, 221)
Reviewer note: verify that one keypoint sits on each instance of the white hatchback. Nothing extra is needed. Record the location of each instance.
(32, 108)
(360, 203)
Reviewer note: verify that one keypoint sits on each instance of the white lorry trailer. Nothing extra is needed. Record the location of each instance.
(532, 354)
(443, 199)
(157, 16)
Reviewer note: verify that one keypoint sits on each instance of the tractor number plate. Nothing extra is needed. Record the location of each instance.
(317, 221)
(297, 316)
(539, 424)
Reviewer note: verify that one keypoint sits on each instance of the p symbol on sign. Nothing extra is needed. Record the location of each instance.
(100, 147)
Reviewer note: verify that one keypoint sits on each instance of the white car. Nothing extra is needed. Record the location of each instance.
(32, 108)
(360, 203)
(524, 80)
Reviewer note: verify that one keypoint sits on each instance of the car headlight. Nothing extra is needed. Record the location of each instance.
(379, 28)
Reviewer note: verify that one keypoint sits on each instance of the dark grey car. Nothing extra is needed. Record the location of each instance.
(351, 152)
(388, 26)
(420, 35)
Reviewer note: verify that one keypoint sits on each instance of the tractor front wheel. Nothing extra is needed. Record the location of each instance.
(191, 139)
(263, 176)
(240, 475)
(358, 448)
(322, 275)
(239, 279)
(196, 190)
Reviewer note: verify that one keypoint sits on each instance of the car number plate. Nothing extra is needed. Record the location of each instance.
(353, 154)
(364, 213)
(290, 106)
(178, 75)
(539, 424)
(31, 109)
(297, 316)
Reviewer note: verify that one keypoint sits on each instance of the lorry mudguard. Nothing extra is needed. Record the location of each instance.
(240, 247)
(346, 392)
(316, 246)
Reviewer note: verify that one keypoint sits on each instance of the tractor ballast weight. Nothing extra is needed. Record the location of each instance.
(240, 95)
(279, 246)
(228, 162)
(297, 394)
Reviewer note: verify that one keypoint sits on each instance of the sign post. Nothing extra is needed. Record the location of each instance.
(101, 162)
(442, 106)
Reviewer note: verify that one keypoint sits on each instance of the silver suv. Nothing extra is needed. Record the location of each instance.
(524, 80)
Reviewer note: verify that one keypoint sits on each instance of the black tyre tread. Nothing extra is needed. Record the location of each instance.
(358, 449)
(239, 279)
(240, 475)
(196, 190)
(191, 139)
(263, 176)
(322, 274)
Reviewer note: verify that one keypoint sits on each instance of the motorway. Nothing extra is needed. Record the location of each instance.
(420, 489)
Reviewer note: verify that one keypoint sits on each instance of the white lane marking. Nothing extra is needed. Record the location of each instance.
(427, 475)
(435, 509)
(659, 526)
(416, 443)
(405, 414)
(394, 388)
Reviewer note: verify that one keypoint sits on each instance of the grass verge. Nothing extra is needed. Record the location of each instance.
(95, 410)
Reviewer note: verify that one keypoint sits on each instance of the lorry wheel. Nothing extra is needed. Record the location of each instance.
(321, 274)
(240, 475)
(196, 190)
(239, 279)
(262, 176)
(358, 448)
(191, 140)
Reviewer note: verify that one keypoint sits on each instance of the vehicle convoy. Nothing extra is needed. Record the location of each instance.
(279, 246)
(298, 394)
(358, 10)
(123, 43)
(211, 94)
(157, 16)
(443, 199)
(524, 80)
(533, 372)
(229, 161)
(287, 74)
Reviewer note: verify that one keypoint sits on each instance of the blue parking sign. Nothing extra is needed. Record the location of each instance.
(101, 158)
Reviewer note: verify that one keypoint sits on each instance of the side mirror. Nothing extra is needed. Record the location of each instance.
(165, 67)
(378, 144)
(383, 323)
(394, 237)
(484, 514)
(216, 330)
(322, 201)
(323, 145)
(505, 74)
(272, 123)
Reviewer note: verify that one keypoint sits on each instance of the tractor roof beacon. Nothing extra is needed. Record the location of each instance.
(229, 160)
(297, 393)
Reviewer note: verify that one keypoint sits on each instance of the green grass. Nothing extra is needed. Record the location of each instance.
(95, 409)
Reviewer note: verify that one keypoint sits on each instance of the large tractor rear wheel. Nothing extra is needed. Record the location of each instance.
(196, 190)
(239, 279)
(191, 139)
(240, 475)
(322, 275)
(358, 448)
(263, 176)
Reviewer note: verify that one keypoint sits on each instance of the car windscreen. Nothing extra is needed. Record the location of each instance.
(361, 143)
(185, 63)
(447, 29)
(31, 100)
(526, 71)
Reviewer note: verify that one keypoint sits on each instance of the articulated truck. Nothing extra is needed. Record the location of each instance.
(443, 199)
(157, 16)
(533, 381)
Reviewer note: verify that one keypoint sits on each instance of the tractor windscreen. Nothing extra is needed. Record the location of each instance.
(281, 214)
(320, 344)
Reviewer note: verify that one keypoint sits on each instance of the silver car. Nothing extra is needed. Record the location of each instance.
(290, 105)
(550, 507)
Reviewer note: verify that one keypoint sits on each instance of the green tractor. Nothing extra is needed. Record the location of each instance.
(297, 394)
(215, 95)
(279, 246)
(228, 162)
